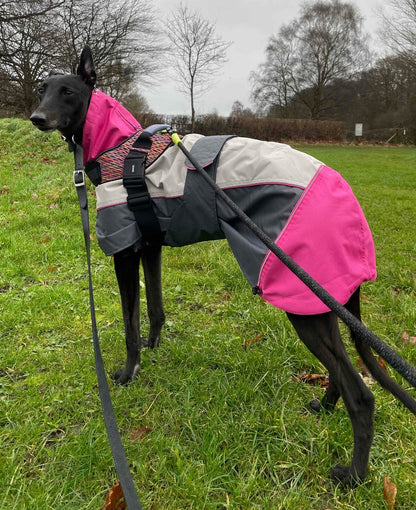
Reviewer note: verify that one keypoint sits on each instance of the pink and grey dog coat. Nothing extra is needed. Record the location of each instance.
(307, 207)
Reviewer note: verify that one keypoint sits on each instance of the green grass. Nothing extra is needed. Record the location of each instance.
(228, 425)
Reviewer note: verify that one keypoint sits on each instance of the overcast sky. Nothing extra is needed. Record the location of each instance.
(248, 24)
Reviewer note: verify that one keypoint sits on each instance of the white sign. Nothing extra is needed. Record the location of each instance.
(358, 130)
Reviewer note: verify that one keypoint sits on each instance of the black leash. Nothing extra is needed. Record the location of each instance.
(384, 350)
(117, 450)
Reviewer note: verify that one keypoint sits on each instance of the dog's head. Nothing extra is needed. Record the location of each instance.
(64, 98)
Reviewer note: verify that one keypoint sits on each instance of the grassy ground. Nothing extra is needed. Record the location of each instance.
(209, 424)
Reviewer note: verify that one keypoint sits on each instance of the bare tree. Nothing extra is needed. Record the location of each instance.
(323, 44)
(10, 10)
(272, 89)
(197, 55)
(399, 30)
(31, 45)
(27, 43)
(238, 110)
(121, 35)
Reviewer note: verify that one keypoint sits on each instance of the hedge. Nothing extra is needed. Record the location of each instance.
(263, 128)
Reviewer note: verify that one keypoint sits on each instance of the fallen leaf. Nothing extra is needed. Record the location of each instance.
(382, 363)
(407, 339)
(389, 492)
(5, 190)
(139, 433)
(252, 341)
(312, 379)
(54, 268)
(115, 499)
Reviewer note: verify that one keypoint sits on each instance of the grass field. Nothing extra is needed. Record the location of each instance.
(209, 424)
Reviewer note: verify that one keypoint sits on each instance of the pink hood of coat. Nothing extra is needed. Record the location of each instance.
(107, 124)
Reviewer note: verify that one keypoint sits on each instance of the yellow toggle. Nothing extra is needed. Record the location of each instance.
(175, 138)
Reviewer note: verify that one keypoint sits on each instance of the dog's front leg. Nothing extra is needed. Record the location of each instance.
(151, 260)
(126, 264)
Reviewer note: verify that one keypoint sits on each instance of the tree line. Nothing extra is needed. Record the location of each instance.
(318, 66)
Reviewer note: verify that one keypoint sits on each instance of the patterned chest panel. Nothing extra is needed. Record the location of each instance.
(112, 161)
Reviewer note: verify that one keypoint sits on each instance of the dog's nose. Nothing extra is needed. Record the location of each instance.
(38, 119)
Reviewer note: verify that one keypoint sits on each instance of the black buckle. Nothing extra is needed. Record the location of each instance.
(79, 178)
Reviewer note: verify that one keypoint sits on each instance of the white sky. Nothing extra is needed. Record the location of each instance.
(248, 24)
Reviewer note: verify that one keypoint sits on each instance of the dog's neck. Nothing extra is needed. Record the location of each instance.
(106, 125)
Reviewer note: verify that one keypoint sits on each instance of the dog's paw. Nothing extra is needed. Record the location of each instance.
(151, 342)
(154, 341)
(343, 475)
(315, 406)
(124, 377)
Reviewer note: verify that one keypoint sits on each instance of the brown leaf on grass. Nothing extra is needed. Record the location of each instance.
(312, 379)
(364, 370)
(407, 339)
(252, 341)
(139, 433)
(4, 190)
(115, 499)
(382, 363)
(389, 492)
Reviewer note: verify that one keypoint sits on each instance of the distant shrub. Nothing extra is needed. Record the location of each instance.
(263, 128)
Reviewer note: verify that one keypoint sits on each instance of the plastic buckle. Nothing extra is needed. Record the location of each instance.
(79, 178)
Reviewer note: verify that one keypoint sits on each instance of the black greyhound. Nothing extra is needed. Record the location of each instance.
(64, 102)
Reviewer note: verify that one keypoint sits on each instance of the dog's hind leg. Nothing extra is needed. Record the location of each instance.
(329, 400)
(332, 394)
(151, 260)
(320, 333)
(126, 264)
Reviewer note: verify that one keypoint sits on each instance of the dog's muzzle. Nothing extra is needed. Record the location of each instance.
(41, 121)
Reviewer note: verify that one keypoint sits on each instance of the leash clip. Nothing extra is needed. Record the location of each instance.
(79, 178)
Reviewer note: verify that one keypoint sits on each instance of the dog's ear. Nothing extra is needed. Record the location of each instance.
(86, 67)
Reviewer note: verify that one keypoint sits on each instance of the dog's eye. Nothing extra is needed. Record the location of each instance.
(40, 90)
(67, 92)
